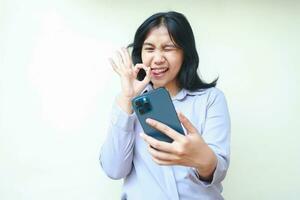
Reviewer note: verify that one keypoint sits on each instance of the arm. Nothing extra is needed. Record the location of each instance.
(117, 151)
(216, 135)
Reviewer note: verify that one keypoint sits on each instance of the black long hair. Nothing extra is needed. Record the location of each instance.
(181, 34)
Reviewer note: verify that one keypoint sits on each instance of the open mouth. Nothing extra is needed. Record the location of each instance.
(159, 71)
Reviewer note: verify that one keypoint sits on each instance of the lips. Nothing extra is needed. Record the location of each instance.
(158, 71)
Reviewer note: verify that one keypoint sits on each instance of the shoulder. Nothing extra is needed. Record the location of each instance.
(212, 92)
(209, 96)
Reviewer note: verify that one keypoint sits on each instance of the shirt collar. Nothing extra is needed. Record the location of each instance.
(147, 89)
(184, 92)
(180, 95)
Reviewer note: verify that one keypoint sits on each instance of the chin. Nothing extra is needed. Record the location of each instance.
(157, 84)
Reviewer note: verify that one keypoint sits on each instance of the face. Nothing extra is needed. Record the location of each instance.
(164, 58)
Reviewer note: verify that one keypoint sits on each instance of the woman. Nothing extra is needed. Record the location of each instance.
(192, 166)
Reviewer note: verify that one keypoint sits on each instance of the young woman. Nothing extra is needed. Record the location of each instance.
(192, 166)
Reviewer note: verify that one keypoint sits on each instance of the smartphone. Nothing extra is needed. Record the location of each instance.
(157, 104)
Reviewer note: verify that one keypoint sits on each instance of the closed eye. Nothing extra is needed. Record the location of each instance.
(149, 49)
(170, 49)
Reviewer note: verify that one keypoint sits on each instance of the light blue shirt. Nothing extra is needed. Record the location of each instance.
(124, 153)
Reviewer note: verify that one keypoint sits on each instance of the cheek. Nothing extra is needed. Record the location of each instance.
(176, 61)
(175, 57)
(145, 58)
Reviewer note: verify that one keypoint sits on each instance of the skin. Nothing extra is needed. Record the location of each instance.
(159, 52)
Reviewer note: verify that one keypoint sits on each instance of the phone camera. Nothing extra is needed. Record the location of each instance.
(143, 105)
(141, 111)
(138, 103)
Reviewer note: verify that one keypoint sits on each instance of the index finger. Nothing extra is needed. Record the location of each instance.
(159, 145)
(126, 55)
(165, 129)
(187, 124)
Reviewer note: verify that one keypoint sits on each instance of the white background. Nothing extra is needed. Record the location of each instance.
(57, 88)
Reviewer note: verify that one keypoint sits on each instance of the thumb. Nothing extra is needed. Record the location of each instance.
(148, 74)
(191, 129)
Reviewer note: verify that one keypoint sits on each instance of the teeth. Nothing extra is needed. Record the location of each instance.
(159, 70)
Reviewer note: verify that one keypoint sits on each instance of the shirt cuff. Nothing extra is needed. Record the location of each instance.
(121, 119)
(218, 175)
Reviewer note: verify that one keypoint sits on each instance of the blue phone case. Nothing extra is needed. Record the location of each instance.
(157, 104)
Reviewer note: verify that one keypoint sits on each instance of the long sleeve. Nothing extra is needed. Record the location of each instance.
(117, 151)
(216, 133)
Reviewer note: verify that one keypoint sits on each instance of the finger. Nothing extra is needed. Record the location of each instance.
(162, 162)
(137, 68)
(126, 55)
(140, 66)
(114, 66)
(159, 145)
(148, 74)
(187, 124)
(119, 60)
(165, 129)
(161, 155)
(123, 57)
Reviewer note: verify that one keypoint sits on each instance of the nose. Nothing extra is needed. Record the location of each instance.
(159, 57)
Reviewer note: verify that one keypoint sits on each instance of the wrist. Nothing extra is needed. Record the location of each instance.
(207, 167)
(206, 173)
(125, 103)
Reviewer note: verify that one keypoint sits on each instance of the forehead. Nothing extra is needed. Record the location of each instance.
(158, 35)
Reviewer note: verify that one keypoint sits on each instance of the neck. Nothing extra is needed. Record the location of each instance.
(173, 89)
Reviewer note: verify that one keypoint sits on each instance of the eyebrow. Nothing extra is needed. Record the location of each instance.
(170, 45)
(167, 45)
(147, 43)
